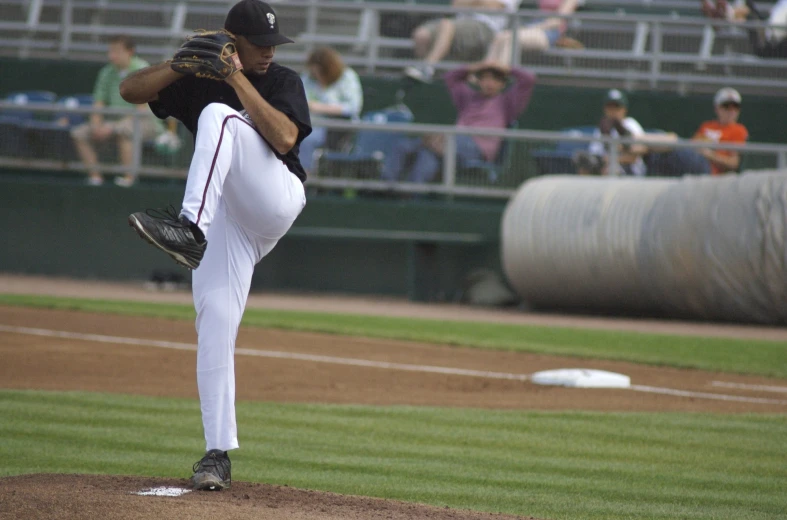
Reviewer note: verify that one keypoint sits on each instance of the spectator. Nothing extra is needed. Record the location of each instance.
(771, 42)
(540, 35)
(724, 129)
(465, 37)
(616, 123)
(106, 93)
(482, 100)
(332, 90)
(736, 11)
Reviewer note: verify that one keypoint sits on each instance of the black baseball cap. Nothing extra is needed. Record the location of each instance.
(256, 21)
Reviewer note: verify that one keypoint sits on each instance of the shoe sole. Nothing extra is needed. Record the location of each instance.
(208, 482)
(140, 229)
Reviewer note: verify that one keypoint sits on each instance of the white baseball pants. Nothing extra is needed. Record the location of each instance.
(244, 199)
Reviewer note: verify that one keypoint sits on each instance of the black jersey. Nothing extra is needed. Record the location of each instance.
(280, 86)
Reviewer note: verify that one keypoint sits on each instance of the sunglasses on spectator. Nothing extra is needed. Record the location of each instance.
(730, 105)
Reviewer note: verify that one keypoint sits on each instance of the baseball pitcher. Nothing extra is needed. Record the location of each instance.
(244, 189)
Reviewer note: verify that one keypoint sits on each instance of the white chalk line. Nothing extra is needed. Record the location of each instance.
(266, 353)
(704, 395)
(358, 362)
(755, 388)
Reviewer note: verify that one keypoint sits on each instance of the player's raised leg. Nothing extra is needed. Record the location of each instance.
(182, 236)
(222, 134)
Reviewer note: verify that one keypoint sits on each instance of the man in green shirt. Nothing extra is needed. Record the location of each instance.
(106, 93)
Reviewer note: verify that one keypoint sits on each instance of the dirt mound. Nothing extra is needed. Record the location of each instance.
(109, 497)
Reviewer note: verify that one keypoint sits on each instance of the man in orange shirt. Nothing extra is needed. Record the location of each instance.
(725, 129)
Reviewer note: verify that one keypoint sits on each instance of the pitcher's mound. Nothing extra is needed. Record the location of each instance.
(108, 497)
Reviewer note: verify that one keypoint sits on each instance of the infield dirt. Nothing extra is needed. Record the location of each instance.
(70, 497)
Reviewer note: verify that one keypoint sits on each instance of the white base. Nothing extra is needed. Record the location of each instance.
(163, 492)
(581, 378)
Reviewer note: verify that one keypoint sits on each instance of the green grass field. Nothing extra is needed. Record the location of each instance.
(568, 465)
(556, 465)
(766, 358)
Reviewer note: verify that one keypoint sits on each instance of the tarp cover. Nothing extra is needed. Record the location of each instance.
(697, 247)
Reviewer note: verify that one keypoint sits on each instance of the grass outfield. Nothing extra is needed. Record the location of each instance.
(566, 465)
(768, 358)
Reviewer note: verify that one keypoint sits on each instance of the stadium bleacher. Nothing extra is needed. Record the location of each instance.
(664, 44)
(665, 50)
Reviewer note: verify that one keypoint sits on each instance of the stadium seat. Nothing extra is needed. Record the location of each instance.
(49, 137)
(48, 140)
(10, 137)
(12, 143)
(558, 160)
(27, 98)
(482, 173)
(74, 101)
(366, 158)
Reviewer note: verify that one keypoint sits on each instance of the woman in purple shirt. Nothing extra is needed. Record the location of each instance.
(486, 95)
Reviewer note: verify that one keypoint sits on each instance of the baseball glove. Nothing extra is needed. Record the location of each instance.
(208, 54)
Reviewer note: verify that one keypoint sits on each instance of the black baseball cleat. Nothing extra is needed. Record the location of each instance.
(213, 472)
(172, 234)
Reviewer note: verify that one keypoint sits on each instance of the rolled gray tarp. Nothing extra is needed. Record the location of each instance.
(697, 247)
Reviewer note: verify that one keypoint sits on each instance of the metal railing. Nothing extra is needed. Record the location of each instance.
(43, 112)
(448, 183)
(648, 50)
(149, 163)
